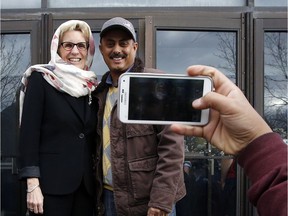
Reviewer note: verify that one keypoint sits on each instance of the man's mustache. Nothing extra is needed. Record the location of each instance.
(118, 55)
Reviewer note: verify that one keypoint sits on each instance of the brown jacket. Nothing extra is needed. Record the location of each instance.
(146, 162)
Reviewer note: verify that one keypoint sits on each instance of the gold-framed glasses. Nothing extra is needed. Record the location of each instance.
(80, 46)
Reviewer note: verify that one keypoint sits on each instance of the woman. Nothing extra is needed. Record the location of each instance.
(57, 126)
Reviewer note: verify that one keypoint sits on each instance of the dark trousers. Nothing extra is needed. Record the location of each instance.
(110, 209)
(75, 204)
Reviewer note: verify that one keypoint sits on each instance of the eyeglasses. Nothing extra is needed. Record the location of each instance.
(80, 46)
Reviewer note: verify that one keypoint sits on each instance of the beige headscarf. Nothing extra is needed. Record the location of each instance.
(61, 75)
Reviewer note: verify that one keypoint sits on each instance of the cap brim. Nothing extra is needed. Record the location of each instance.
(103, 32)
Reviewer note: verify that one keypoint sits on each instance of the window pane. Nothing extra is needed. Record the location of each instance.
(15, 59)
(141, 3)
(98, 66)
(271, 3)
(9, 189)
(12, 4)
(176, 50)
(275, 81)
(210, 187)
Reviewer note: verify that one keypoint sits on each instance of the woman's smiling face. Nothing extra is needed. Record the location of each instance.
(75, 56)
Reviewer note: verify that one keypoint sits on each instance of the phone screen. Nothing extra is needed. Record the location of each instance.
(164, 99)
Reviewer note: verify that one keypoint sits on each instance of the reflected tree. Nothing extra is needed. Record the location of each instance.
(275, 81)
(275, 78)
(11, 67)
(227, 47)
(226, 52)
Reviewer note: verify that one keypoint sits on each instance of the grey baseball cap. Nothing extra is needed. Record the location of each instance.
(118, 22)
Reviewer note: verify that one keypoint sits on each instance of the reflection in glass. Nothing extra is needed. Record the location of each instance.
(271, 3)
(210, 188)
(176, 50)
(275, 81)
(13, 4)
(98, 66)
(15, 59)
(141, 3)
(211, 177)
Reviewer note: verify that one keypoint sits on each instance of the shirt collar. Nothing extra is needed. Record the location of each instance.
(109, 80)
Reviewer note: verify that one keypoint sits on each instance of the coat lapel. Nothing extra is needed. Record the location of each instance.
(78, 106)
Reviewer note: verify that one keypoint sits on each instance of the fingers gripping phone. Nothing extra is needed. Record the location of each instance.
(146, 98)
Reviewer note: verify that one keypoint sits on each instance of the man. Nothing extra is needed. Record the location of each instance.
(141, 164)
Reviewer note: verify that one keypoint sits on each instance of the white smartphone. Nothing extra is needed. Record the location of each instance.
(146, 98)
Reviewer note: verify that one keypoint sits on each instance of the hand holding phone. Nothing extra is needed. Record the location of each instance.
(146, 98)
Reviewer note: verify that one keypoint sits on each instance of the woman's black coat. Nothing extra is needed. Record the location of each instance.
(56, 138)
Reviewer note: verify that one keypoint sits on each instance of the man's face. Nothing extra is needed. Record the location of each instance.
(118, 50)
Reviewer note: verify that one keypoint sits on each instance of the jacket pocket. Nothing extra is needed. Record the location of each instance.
(142, 174)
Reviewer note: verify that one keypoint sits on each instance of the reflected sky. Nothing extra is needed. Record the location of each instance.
(15, 59)
(271, 3)
(18, 4)
(176, 50)
(98, 66)
(276, 81)
(5, 4)
(145, 3)
(135, 3)
(13, 45)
